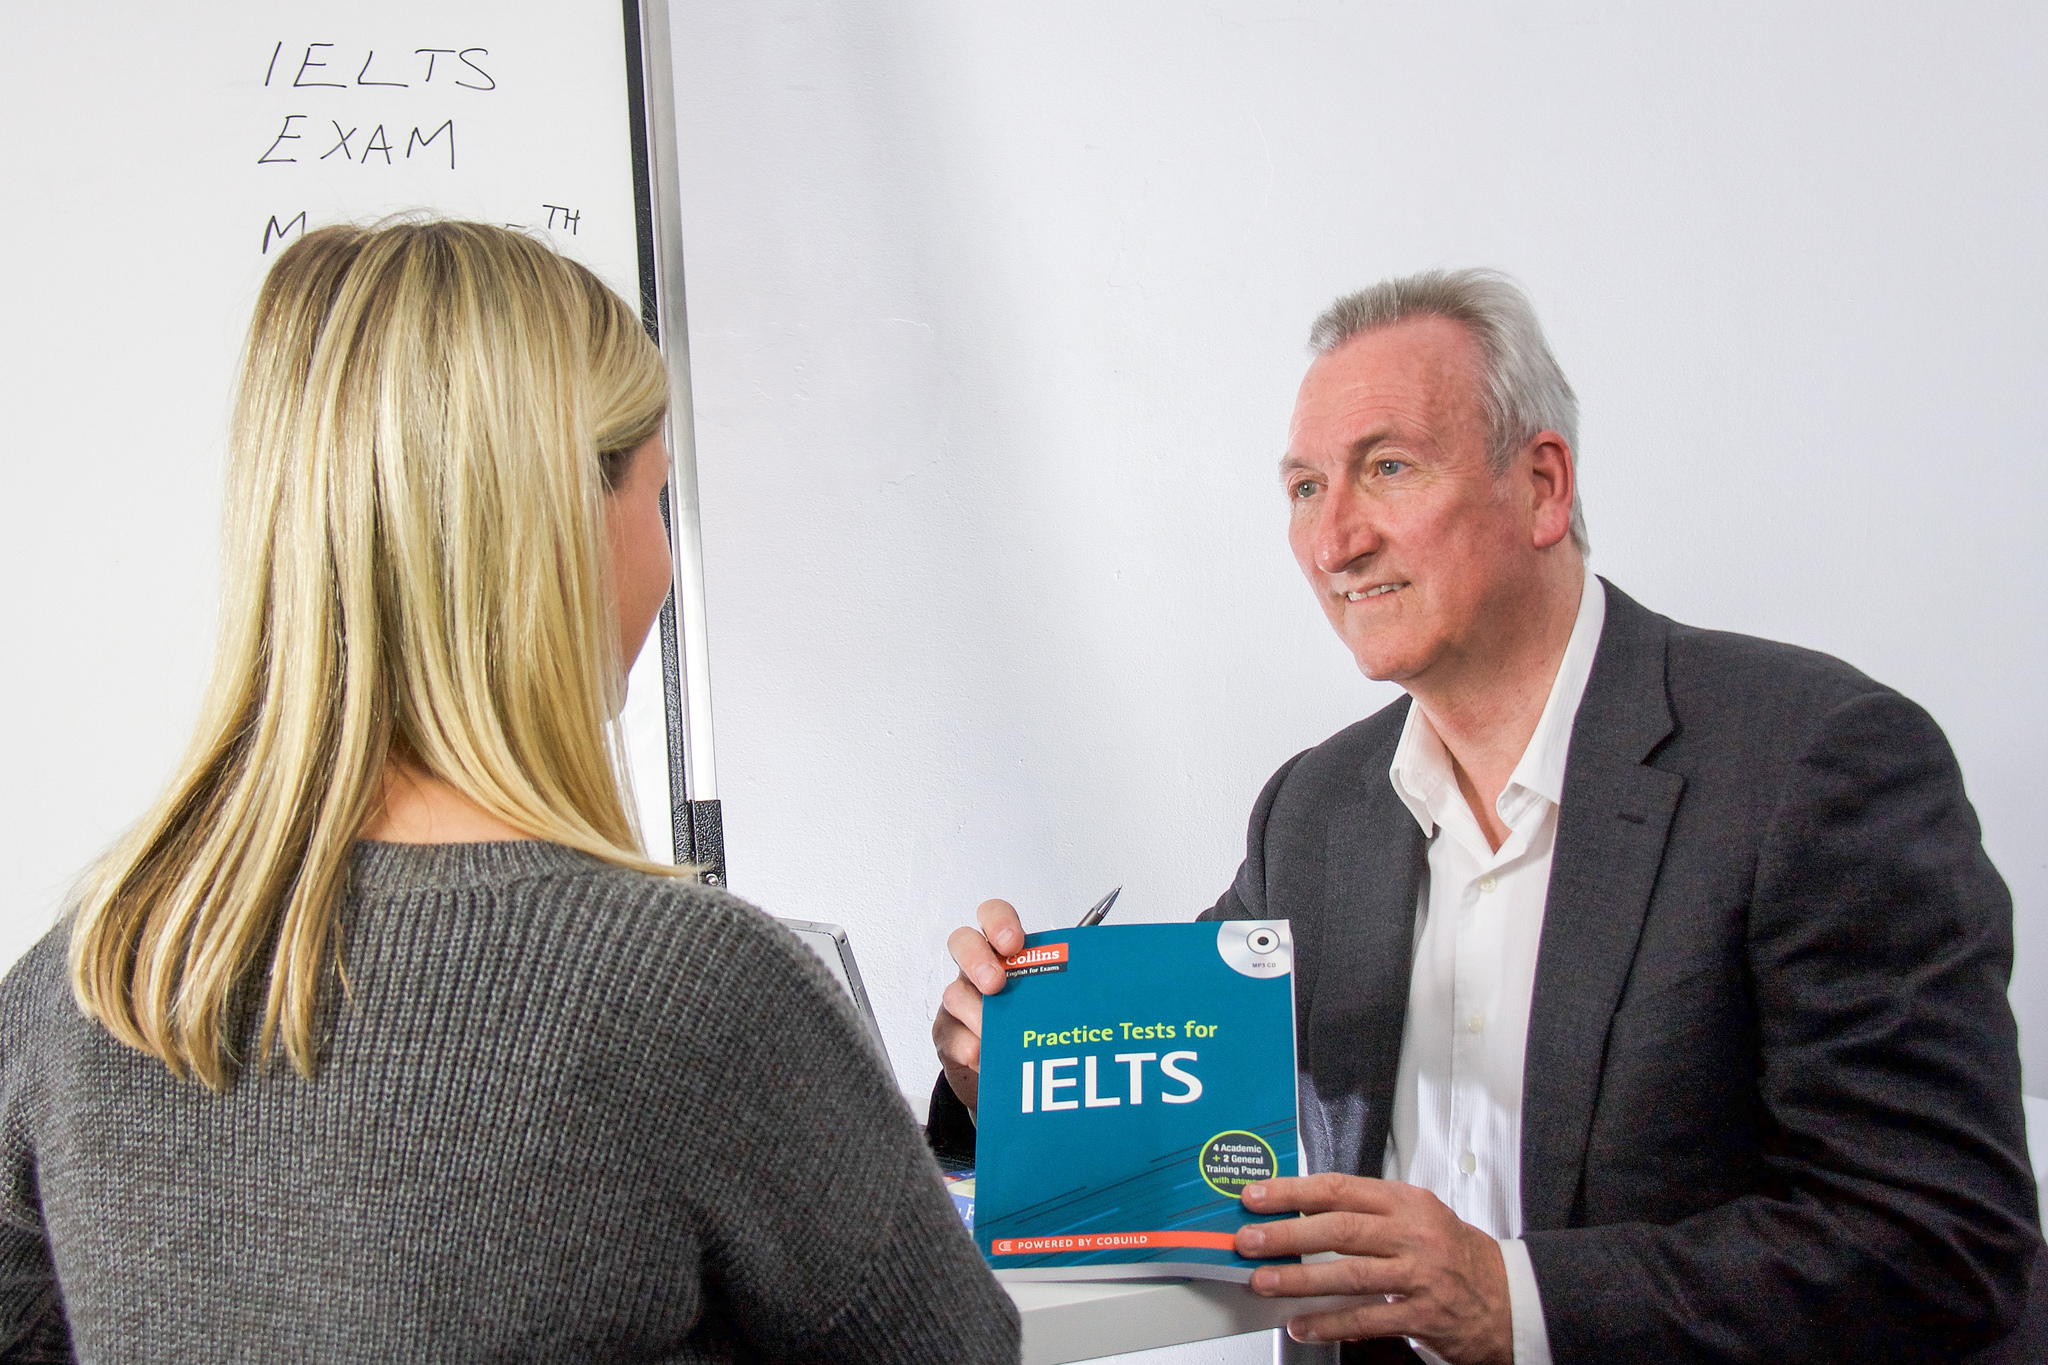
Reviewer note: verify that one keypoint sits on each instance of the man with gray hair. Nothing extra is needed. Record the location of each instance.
(1650, 980)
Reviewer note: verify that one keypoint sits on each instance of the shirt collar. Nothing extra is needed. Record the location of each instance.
(1421, 770)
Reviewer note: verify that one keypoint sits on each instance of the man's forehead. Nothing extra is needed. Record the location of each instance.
(1420, 369)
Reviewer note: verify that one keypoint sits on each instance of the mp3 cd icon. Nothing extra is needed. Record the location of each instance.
(1256, 947)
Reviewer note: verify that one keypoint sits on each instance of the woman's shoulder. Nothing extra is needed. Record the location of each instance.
(646, 913)
(551, 879)
(681, 977)
(708, 945)
(40, 974)
(681, 921)
(35, 994)
(664, 941)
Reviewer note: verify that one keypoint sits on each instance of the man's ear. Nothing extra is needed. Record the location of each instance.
(1550, 476)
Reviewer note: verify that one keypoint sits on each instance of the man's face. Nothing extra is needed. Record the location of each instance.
(1410, 543)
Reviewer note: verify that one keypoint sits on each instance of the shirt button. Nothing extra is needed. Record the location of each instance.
(1476, 1022)
(1488, 882)
(1468, 1163)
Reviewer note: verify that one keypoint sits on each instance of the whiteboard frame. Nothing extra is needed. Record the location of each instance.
(695, 823)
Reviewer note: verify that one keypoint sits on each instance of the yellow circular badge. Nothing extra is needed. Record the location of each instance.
(1234, 1159)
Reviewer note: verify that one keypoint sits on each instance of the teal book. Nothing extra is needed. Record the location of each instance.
(1134, 1079)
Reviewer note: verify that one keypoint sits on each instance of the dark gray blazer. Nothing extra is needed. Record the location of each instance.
(1772, 1097)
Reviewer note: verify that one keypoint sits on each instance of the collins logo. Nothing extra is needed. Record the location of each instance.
(1046, 957)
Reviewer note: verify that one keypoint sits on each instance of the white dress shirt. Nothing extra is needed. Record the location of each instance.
(1457, 1121)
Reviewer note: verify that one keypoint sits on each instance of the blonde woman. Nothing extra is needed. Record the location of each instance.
(379, 1038)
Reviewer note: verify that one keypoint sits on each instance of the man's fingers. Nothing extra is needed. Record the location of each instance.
(956, 1030)
(1346, 1275)
(1353, 1234)
(978, 962)
(1317, 1193)
(959, 1052)
(1000, 925)
(980, 953)
(1370, 1318)
(1447, 1278)
(962, 1002)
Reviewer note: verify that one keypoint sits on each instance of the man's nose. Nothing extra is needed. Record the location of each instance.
(1344, 531)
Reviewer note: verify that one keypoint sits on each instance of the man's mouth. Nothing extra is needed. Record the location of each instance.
(1381, 591)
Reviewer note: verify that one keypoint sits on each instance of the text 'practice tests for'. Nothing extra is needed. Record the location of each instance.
(1044, 1081)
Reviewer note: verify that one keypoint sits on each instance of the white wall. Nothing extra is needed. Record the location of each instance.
(997, 314)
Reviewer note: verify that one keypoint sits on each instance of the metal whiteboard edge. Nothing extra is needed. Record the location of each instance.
(657, 66)
(675, 770)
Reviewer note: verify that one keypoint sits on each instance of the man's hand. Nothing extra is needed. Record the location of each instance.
(1430, 1276)
(956, 1032)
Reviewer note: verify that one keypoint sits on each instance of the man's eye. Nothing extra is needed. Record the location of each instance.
(1388, 467)
(1304, 488)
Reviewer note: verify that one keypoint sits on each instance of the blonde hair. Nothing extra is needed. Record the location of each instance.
(428, 419)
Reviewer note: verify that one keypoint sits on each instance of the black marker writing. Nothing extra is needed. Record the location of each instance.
(569, 218)
(298, 81)
(340, 144)
(360, 75)
(428, 53)
(423, 142)
(273, 232)
(284, 136)
(463, 57)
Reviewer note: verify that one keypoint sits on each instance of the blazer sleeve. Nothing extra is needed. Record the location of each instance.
(948, 1126)
(1895, 1218)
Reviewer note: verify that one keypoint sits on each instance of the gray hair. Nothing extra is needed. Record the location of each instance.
(1524, 393)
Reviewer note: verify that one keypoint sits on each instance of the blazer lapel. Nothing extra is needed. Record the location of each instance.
(1359, 1003)
(1611, 830)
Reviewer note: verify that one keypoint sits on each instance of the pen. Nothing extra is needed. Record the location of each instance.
(1099, 909)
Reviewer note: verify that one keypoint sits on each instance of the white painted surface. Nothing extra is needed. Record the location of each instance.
(134, 239)
(1221, 1323)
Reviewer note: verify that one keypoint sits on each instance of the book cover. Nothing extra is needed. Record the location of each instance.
(960, 1184)
(1134, 1079)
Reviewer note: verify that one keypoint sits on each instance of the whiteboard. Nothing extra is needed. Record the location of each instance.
(161, 157)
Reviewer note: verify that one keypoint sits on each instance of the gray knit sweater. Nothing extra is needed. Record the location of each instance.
(569, 1113)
